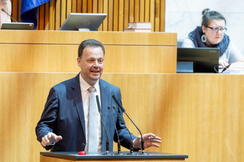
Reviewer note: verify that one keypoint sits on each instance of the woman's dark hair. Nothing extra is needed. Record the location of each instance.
(89, 43)
(208, 15)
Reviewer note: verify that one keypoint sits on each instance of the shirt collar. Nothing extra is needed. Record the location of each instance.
(84, 85)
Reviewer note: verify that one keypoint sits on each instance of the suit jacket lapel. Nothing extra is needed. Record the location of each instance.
(76, 92)
(105, 100)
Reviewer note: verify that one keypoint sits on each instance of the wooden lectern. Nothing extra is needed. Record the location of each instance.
(123, 157)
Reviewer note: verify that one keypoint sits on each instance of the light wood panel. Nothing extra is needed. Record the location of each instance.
(60, 58)
(51, 15)
(75, 38)
(200, 115)
(56, 51)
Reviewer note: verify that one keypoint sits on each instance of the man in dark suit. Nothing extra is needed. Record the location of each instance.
(64, 122)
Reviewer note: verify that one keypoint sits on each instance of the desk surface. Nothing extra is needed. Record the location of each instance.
(114, 155)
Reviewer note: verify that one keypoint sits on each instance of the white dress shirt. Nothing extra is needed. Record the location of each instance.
(85, 99)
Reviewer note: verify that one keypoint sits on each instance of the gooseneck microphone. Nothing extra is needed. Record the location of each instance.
(99, 110)
(131, 142)
(142, 141)
(119, 150)
(8, 14)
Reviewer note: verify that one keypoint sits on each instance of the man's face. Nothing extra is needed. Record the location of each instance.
(91, 64)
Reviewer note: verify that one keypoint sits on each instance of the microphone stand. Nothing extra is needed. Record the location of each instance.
(8, 15)
(142, 141)
(131, 142)
(119, 150)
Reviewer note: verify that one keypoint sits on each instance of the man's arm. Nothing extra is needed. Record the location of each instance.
(44, 128)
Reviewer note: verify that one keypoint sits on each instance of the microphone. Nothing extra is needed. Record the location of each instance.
(131, 142)
(119, 151)
(8, 14)
(142, 141)
(99, 110)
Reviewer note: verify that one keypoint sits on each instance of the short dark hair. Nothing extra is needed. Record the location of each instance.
(208, 15)
(89, 43)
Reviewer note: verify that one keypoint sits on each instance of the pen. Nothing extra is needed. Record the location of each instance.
(225, 68)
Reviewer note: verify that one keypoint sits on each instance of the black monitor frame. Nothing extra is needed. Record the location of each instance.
(205, 60)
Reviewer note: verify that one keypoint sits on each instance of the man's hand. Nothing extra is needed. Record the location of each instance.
(50, 139)
(149, 140)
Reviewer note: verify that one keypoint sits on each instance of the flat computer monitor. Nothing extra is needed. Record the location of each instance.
(17, 26)
(197, 60)
(76, 21)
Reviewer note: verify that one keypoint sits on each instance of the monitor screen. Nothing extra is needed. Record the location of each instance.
(76, 21)
(17, 26)
(197, 60)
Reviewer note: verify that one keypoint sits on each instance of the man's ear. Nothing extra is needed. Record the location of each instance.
(79, 61)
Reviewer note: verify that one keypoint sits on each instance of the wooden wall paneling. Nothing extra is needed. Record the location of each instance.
(142, 11)
(100, 10)
(47, 16)
(106, 20)
(73, 6)
(116, 60)
(64, 8)
(83, 6)
(41, 16)
(120, 12)
(121, 15)
(14, 9)
(132, 11)
(196, 123)
(137, 11)
(162, 16)
(79, 6)
(152, 15)
(18, 10)
(61, 58)
(52, 14)
(5, 115)
(147, 10)
(69, 8)
(95, 6)
(58, 14)
(126, 13)
(90, 6)
(157, 14)
(115, 15)
(74, 38)
(110, 15)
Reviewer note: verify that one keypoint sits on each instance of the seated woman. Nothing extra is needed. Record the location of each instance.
(212, 34)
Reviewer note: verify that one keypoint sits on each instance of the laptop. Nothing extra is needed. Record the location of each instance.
(17, 26)
(76, 21)
(197, 60)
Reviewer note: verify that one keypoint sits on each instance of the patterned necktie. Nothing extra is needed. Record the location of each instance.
(92, 125)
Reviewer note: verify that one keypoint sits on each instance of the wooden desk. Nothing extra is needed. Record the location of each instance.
(96, 157)
(56, 51)
(200, 115)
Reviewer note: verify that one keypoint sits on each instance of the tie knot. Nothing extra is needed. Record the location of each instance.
(92, 89)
